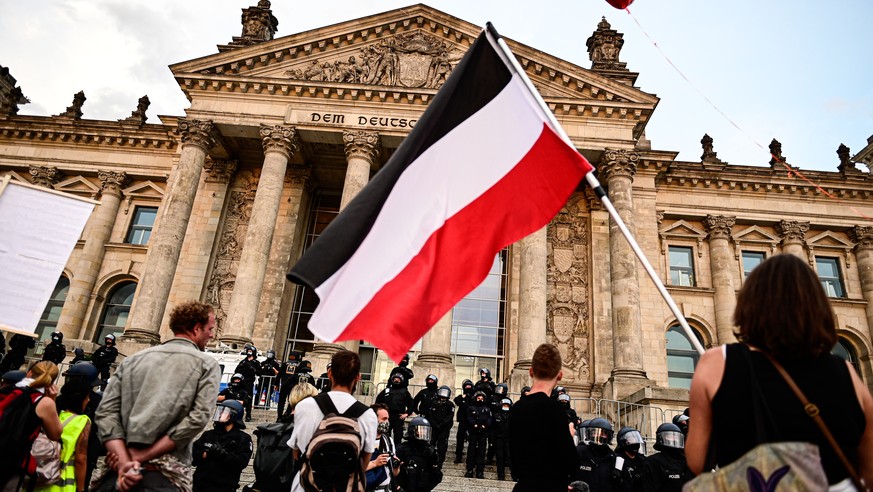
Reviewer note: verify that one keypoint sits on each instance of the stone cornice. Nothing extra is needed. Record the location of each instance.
(52, 129)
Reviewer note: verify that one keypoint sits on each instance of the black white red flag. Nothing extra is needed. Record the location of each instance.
(482, 168)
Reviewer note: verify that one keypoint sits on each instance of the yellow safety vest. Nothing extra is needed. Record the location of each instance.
(72, 430)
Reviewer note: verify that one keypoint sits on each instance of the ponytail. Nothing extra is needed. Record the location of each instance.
(44, 374)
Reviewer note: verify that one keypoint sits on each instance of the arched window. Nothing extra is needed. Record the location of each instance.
(115, 313)
(48, 322)
(846, 351)
(681, 358)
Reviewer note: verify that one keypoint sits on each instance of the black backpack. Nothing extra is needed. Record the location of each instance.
(274, 463)
(19, 426)
(332, 461)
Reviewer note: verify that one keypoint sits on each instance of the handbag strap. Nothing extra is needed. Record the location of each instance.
(812, 410)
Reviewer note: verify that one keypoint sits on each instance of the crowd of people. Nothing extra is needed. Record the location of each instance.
(118, 434)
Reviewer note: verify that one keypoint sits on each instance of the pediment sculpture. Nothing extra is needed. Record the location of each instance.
(412, 59)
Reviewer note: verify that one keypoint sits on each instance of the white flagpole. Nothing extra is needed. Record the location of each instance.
(595, 185)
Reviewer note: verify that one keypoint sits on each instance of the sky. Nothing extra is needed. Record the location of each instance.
(799, 72)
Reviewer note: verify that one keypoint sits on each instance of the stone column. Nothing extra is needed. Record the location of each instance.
(531, 304)
(617, 170)
(793, 235)
(280, 143)
(434, 357)
(863, 237)
(90, 259)
(165, 243)
(362, 150)
(721, 262)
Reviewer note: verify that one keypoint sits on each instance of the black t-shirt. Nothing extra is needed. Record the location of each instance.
(825, 381)
(543, 456)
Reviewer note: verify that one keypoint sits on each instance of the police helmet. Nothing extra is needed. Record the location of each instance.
(505, 404)
(304, 366)
(57, 336)
(560, 390)
(467, 385)
(599, 432)
(681, 421)
(444, 392)
(79, 351)
(431, 380)
(236, 378)
(229, 411)
(419, 428)
(502, 389)
(109, 339)
(477, 394)
(484, 374)
(251, 351)
(564, 398)
(404, 361)
(271, 354)
(669, 436)
(630, 439)
(397, 380)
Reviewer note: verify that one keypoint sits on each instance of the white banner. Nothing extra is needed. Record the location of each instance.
(38, 230)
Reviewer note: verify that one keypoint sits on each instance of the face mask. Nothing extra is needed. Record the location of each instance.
(480, 402)
(505, 409)
(384, 427)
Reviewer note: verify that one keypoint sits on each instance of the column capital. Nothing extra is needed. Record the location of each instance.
(298, 175)
(792, 231)
(219, 170)
(362, 144)
(280, 138)
(45, 176)
(719, 226)
(201, 133)
(863, 236)
(618, 162)
(112, 181)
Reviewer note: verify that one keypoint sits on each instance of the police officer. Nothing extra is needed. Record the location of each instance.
(441, 416)
(78, 356)
(462, 401)
(564, 400)
(249, 369)
(667, 470)
(236, 390)
(596, 460)
(286, 381)
(267, 375)
(485, 383)
(500, 393)
(18, 346)
(420, 470)
(500, 436)
(404, 370)
(222, 453)
(583, 431)
(55, 351)
(479, 420)
(399, 403)
(682, 421)
(104, 357)
(425, 398)
(630, 449)
(323, 381)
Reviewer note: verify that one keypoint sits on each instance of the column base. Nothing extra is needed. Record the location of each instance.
(320, 356)
(440, 365)
(234, 341)
(134, 340)
(519, 377)
(624, 382)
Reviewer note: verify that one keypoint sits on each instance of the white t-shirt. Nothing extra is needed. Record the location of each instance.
(307, 417)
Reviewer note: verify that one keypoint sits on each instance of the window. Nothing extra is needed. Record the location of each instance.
(751, 259)
(829, 274)
(681, 358)
(681, 266)
(141, 228)
(48, 322)
(115, 313)
(845, 351)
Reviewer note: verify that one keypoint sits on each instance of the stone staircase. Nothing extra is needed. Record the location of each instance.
(453, 474)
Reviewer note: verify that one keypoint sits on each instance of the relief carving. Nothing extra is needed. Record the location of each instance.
(412, 59)
(239, 211)
(567, 287)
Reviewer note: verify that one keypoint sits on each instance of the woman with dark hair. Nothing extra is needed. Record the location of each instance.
(71, 404)
(782, 312)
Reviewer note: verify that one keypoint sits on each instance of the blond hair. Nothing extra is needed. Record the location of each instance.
(301, 391)
(44, 374)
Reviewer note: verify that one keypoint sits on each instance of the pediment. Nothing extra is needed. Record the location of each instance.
(828, 239)
(145, 189)
(78, 185)
(681, 228)
(755, 234)
(14, 176)
(410, 49)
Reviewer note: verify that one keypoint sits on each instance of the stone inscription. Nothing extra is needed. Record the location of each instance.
(354, 120)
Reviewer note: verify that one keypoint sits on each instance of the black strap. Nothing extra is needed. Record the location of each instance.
(327, 407)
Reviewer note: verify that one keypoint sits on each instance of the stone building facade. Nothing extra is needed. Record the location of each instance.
(282, 133)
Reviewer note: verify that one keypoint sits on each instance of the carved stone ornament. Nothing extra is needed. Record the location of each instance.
(569, 323)
(792, 230)
(709, 155)
(258, 25)
(846, 165)
(362, 144)
(719, 226)
(776, 158)
(75, 110)
(197, 132)
(112, 181)
(862, 236)
(45, 176)
(279, 138)
(594, 202)
(615, 163)
(412, 59)
(604, 47)
(299, 176)
(10, 95)
(219, 170)
(138, 116)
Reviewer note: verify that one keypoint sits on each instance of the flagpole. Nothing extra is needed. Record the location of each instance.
(598, 189)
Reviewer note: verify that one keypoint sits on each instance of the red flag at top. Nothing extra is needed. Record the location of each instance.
(620, 4)
(482, 169)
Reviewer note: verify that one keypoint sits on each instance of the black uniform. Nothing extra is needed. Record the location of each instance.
(479, 420)
(631, 477)
(500, 439)
(420, 471)
(462, 401)
(666, 471)
(220, 457)
(596, 466)
(249, 368)
(18, 347)
(441, 416)
(78, 356)
(269, 373)
(103, 358)
(404, 371)
(236, 392)
(424, 400)
(323, 383)
(399, 401)
(286, 382)
(55, 352)
(486, 386)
